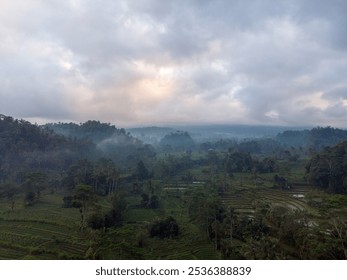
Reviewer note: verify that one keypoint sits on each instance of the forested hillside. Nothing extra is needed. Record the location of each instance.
(92, 130)
(110, 141)
(25, 147)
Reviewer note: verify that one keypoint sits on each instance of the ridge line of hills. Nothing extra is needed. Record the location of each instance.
(97, 132)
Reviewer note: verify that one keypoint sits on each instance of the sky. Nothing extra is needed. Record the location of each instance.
(154, 62)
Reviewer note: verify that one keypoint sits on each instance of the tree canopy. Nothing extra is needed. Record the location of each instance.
(328, 169)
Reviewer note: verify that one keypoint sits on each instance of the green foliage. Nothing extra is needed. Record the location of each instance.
(142, 172)
(26, 146)
(30, 198)
(153, 202)
(113, 218)
(84, 194)
(11, 193)
(328, 170)
(238, 162)
(166, 228)
(85, 197)
(109, 141)
(177, 141)
(317, 138)
(268, 165)
(96, 221)
(281, 182)
(93, 130)
(172, 165)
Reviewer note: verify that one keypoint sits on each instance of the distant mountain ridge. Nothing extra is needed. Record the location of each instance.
(318, 137)
(206, 133)
(108, 134)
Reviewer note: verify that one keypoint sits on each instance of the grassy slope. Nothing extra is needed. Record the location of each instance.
(42, 231)
(48, 231)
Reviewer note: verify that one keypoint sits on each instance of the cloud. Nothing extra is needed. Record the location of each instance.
(156, 62)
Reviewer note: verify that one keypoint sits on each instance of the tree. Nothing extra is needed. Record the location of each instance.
(85, 196)
(96, 221)
(339, 233)
(268, 165)
(238, 162)
(33, 185)
(30, 198)
(167, 228)
(10, 192)
(115, 215)
(205, 208)
(153, 202)
(328, 170)
(141, 171)
(80, 173)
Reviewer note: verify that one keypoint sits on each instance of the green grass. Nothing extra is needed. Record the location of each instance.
(141, 215)
(189, 244)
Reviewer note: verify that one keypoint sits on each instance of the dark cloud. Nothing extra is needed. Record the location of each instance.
(155, 61)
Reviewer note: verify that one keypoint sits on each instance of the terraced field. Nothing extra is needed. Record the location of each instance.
(190, 244)
(46, 230)
(42, 231)
(243, 199)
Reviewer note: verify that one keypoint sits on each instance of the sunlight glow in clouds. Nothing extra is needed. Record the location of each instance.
(140, 62)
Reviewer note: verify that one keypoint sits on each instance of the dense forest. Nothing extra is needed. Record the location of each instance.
(94, 191)
(316, 138)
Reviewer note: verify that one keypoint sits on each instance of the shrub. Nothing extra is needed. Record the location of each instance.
(96, 221)
(167, 228)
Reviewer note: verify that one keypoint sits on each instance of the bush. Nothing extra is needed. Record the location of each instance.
(167, 228)
(96, 221)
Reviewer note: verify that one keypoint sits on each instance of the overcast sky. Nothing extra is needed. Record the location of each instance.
(152, 62)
